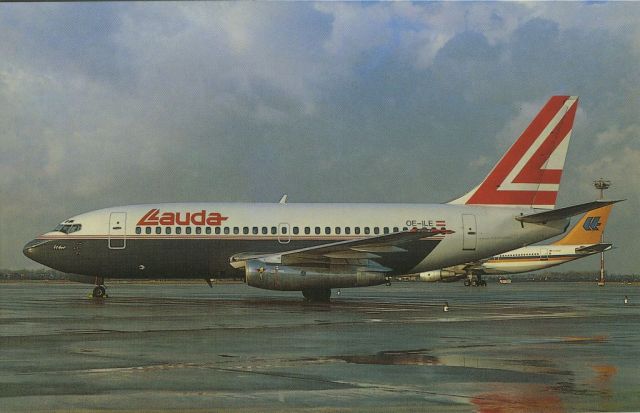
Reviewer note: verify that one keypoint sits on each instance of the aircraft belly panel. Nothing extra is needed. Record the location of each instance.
(156, 258)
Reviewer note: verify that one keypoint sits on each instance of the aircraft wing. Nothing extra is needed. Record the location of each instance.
(593, 249)
(566, 212)
(393, 253)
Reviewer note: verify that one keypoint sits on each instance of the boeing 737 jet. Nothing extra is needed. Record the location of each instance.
(582, 241)
(316, 247)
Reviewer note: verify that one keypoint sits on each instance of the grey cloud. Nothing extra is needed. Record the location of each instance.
(133, 103)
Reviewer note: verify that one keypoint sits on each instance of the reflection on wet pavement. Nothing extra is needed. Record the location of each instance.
(531, 399)
(526, 347)
(408, 357)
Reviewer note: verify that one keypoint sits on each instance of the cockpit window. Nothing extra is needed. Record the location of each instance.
(68, 228)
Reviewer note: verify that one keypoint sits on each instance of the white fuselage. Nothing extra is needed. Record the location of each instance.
(197, 239)
(531, 258)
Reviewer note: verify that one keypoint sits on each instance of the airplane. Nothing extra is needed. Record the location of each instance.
(583, 240)
(316, 247)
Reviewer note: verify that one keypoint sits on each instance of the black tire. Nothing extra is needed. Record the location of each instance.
(319, 295)
(99, 292)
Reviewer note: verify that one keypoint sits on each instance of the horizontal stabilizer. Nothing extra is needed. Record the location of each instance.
(562, 213)
(593, 249)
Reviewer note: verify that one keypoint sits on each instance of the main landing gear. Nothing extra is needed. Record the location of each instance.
(100, 291)
(317, 295)
(474, 281)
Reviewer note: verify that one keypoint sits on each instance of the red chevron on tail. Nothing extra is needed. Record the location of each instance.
(529, 172)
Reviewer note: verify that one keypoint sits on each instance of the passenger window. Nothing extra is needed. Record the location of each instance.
(178, 230)
(386, 230)
(284, 229)
(245, 230)
(226, 230)
(188, 230)
(367, 230)
(147, 230)
(356, 230)
(265, 230)
(198, 230)
(405, 229)
(255, 230)
(337, 230)
(274, 230)
(317, 230)
(236, 230)
(167, 230)
(296, 230)
(158, 230)
(138, 230)
(347, 230)
(395, 229)
(307, 230)
(327, 230)
(376, 230)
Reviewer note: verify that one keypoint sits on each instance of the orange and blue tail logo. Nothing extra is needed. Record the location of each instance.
(589, 228)
(591, 224)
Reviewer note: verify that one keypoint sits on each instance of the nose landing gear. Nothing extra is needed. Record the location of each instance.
(100, 291)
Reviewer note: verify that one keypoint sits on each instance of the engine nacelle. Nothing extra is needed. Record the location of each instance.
(438, 275)
(288, 278)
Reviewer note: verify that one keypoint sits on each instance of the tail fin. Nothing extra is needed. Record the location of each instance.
(589, 229)
(529, 172)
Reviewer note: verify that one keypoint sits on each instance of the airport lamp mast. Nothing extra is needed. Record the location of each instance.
(601, 184)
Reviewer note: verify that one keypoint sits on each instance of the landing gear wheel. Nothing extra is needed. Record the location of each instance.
(99, 292)
(482, 283)
(467, 283)
(320, 295)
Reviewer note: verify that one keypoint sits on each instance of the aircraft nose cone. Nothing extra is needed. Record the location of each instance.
(27, 250)
(30, 249)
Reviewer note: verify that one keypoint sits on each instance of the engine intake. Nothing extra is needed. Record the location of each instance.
(438, 275)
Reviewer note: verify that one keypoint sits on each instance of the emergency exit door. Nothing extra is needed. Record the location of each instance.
(469, 232)
(544, 254)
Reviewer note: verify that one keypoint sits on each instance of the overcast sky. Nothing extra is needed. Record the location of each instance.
(111, 104)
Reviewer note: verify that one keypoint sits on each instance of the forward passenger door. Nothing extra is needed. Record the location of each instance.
(117, 230)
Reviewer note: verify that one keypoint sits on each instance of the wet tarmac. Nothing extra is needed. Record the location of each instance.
(548, 347)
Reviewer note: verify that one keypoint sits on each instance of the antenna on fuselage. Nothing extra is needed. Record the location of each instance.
(284, 198)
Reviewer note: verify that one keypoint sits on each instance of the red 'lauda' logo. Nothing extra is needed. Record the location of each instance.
(153, 217)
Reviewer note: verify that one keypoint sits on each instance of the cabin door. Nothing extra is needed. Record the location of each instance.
(283, 233)
(469, 232)
(544, 254)
(117, 230)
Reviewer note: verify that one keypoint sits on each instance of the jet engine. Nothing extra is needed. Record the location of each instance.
(439, 275)
(290, 278)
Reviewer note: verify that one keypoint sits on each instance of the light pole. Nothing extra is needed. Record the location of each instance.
(601, 184)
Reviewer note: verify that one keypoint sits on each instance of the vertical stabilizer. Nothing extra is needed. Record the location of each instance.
(528, 175)
(589, 229)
